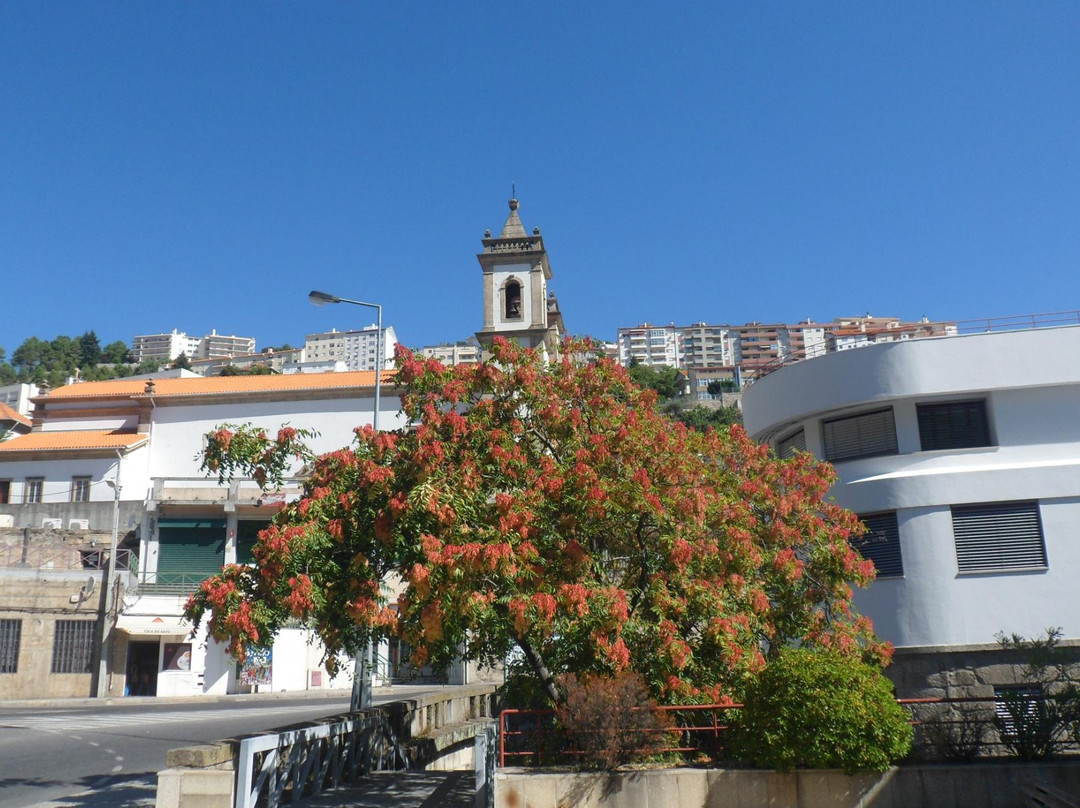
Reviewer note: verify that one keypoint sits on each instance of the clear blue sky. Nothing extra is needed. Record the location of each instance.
(202, 165)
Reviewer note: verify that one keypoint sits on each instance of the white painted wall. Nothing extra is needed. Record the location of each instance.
(1031, 382)
(522, 274)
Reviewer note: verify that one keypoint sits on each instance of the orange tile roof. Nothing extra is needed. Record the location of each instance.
(67, 441)
(217, 385)
(8, 414)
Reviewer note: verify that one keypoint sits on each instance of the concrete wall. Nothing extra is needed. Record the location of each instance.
(991, 785)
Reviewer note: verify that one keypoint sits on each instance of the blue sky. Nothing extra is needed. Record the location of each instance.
(204, 165)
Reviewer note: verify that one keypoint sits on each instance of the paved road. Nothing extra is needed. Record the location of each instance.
(86, 755)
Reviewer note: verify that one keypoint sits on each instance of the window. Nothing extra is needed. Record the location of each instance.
(80, 489)
(512, 294)
(953, 425)
(795, 442)
(868, 434)
(1019, 710)
(73, 645)
(881, 544)
(10, 635)
(32, 489)
(5, 492)
(998, 536)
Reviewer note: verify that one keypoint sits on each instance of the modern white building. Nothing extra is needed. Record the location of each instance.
(357, 349)
(962, 456)
(167, 347)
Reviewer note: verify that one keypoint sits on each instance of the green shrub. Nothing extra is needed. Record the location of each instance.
(819, 709)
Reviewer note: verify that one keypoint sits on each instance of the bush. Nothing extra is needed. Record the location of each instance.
(819, 709)
(610, 719)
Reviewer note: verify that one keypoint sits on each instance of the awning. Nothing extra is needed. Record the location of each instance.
(168, 625)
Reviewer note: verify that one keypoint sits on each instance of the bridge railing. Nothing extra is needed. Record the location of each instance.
(434, 731)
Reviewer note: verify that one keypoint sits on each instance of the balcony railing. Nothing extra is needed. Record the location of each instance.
(64, 558)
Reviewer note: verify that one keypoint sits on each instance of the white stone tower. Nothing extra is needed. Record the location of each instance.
(517, 302)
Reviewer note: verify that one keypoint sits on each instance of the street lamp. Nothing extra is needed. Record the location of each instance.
(361, 689)
(107, 594)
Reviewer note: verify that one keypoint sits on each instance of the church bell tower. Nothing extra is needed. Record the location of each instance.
(517, 302)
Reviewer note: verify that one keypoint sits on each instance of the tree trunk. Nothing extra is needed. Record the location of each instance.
(547, 679)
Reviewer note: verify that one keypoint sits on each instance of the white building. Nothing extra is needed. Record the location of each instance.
(357, 349)
(167, 347)
(652, 345)
(962, 455)
(145, 435)
(457, 353)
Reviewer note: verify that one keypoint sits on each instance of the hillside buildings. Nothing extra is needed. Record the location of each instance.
(743, 352)
(355, 349)
(168, 347)
(962, 456)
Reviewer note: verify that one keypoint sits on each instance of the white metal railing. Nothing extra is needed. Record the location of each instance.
(294, 764)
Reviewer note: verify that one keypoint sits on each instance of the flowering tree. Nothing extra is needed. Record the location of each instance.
(549, 508)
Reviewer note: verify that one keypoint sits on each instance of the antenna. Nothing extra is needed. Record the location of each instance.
(513, 190)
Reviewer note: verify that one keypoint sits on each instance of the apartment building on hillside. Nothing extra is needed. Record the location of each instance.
(357, 349)
(168, 347)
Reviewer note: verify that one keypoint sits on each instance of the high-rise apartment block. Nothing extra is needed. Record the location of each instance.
(741, 352)
(457, 353)
(357, 349)
(167, 347)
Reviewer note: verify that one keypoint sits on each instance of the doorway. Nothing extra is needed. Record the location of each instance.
(142, 668)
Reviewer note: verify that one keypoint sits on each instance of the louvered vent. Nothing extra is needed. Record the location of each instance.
(998, 536)
(867, 434)
(881, 544)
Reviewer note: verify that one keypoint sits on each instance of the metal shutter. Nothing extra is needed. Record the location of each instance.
(190, 549)
(795, 442)
(953, 425)
(247, 534)
(881, 544)
(998, 536)
(867, 434)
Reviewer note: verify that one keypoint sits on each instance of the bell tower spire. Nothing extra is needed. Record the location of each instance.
(517, 303)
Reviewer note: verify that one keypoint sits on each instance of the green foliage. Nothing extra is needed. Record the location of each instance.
(702, 418)
(818, 709)
(611, 720)
(1042, 714)
(182, 362)
(55, 361)
(664, 380)
(717, 386)
(254, 370)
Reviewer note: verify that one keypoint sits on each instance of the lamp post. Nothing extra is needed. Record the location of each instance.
(361, 689)
(107, 594)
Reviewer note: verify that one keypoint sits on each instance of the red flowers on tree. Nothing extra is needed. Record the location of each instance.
(551, 509)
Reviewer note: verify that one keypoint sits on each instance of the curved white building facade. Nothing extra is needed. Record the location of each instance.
(962, 454)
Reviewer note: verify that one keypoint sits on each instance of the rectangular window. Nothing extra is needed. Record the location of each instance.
(80, 489)
(73, 646)
(10, 637)
(998, 536)
(953, 425)
(5, 492)
(868, 434)
(795, 442)
(32, 489)
(881, 544)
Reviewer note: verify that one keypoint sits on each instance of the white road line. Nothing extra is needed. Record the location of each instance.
(69, 723)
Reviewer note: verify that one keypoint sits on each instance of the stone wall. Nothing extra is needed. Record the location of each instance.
(983, 785)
